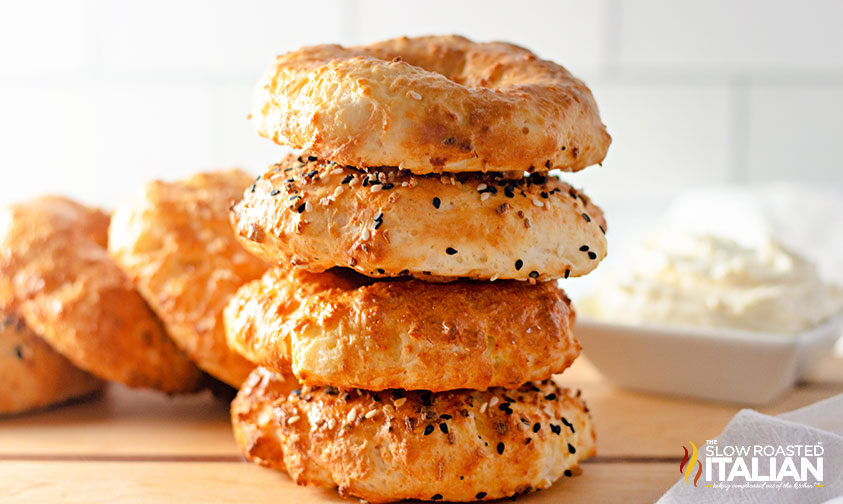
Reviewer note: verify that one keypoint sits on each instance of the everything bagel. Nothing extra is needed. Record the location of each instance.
(431, 104)
(318, 215)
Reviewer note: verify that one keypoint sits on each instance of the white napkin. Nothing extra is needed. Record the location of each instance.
(818, 424)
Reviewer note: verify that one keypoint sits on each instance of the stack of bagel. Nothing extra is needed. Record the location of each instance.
(407, 337)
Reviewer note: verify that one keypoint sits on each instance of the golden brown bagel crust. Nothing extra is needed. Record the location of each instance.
(32, 374)
(55, 270)
(318, 215)
(343, 329)
(393, 445)
(176, 243)
(431, 104)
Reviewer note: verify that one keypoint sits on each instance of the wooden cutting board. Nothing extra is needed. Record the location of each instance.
(139, 446)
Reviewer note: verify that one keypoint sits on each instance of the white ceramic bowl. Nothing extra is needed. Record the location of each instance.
(716, 364)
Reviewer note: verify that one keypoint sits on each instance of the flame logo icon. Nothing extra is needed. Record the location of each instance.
(686, 467)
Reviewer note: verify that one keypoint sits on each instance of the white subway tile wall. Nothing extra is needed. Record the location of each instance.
(97, 96)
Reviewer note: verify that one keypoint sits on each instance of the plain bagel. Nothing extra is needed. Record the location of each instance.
(431, 104)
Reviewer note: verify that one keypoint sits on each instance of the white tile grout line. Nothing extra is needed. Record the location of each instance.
(738, 138)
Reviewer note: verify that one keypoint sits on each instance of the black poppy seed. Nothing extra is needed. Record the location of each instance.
(508, 399)
(534, 274)
(528, 441)
(502, 182)
(504, 406)
(444, 428)
(295, 196)
(480, 495)
(347, 179)
(312, 158)
(509, 191)
(300, 209)
(252, 189)
(436, 202)
(388, 185)
(571, 449)
(584, 248)
(379, 216)
(537, 427)
(519, 264)
(501, 447)
(19, 352)
(550, 397)
(567, 272)
(381, 270)
(586, 217)
(450, 251)
(544, 194)
(428, 430)
(274, 192)
(378, 224)
(548, 164)
(436, 497)
(592, 256)
(445, 416)
(462, 477)
(556, 429)
(312, 173)
(365, 181)
(602, 230)
(568, 473)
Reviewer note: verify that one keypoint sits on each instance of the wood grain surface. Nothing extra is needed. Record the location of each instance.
(138, 446)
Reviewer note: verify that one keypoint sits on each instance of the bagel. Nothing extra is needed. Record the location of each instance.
(318, 215)
(386, 446)
(32, 374)
(56, 272)
(344, 329)
(176, 243)
(431, 104)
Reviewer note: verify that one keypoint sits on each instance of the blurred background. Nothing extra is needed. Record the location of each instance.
(98, 96)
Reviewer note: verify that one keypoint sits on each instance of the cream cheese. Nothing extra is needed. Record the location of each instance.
(710, 281)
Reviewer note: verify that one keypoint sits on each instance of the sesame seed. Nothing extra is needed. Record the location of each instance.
(347, 179)
(527, 441)
(550, 397)
(336, 171)
(602, 230)
(483, 408)
(509, 191)
(537, 427)
(379, 216)
(405, 184)
(428, 430)
(388, 186)
(364, 235)
(567, 272)
(293, 419)
(308, 206)
(592, 255)
(436, 202)
(311, 174)
(544, 194)
(444, 428)
(538, 203)
(480, 495)
(534, 274)
(415, 95)
(568, 473)
(376, 188)
(381, 271)
(436, 497)
(481, 187)
(494, 277)
(450, 251)
(332, 423)
(339, 190)
(568, 424)
(445, 416)
(312, 158)
(352, 415)
(371, 413)
(399, 402)
(519, 264)
(485, 196)
(586, 217)
(571, 449)
(556, 429)
(548, 164)
(584, 248)
(252, 189)
(501, 447)
(378, 224)
(494, 401)
(301, 208)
